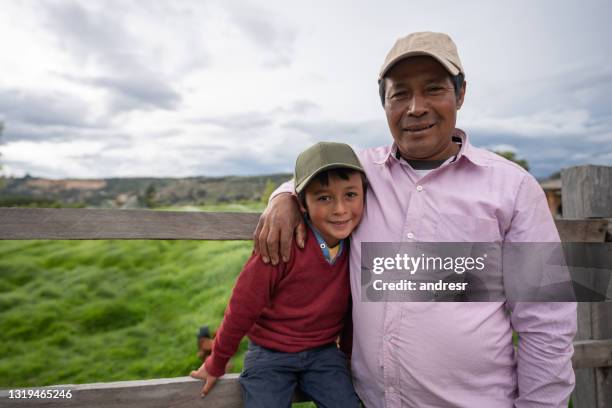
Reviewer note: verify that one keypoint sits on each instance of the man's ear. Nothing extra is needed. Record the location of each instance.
(461, 95)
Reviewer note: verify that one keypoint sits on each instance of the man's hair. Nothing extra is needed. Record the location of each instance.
(457, 81)
(342, 173)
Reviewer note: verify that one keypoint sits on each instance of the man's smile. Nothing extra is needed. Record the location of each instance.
(418, 128)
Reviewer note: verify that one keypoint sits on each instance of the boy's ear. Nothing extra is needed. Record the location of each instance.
(302, 209)
(299, 198)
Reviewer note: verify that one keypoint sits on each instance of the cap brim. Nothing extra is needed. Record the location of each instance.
(449, 66)
(304, 183)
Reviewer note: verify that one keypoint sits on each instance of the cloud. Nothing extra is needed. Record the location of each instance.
(43, 108)
(543, 124)
(46, 115)
(258, 26)
(239, 121)
(250, 120)
(132, 93)
(547, 155)
(98, 35)
(303, 106)
(123, 50)
(359, 134)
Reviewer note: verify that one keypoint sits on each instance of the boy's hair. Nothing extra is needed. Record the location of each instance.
(342, 173)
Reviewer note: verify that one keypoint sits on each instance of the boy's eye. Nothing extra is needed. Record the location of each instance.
(351, 194)
(323, 198)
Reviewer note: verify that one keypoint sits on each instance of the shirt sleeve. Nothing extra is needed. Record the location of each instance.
(286, 187)
(546, 330)
(251, 294)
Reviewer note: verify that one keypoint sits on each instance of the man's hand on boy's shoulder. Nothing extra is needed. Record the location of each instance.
(276, 227)
(209, 380)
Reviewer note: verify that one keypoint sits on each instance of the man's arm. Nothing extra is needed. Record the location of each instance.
(546, 330)
(277, 224)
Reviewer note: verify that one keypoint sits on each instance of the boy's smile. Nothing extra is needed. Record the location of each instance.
(335, 209)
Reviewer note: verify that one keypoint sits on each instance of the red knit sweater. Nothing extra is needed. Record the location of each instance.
(288, 307)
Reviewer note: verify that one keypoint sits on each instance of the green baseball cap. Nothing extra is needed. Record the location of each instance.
(321, 157)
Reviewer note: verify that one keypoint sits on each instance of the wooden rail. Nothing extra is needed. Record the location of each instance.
(68, 223)
(65, 223)
(183, 392)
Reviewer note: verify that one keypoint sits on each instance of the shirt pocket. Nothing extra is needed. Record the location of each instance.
(466, 228)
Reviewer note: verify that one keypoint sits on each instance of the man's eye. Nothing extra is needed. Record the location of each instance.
(399, 95)
(435, 89)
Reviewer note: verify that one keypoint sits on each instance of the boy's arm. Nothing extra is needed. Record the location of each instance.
(252, 292)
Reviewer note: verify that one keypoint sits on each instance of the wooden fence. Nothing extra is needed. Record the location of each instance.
(593, 349)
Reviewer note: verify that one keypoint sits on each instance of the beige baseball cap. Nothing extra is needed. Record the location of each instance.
(437, 45)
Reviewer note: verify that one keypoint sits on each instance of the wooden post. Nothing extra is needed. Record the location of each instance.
(587, 193)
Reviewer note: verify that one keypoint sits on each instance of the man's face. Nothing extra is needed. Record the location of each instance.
(421, 108)
(335, 209)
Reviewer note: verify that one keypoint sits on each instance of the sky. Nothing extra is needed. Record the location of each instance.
(92, 89)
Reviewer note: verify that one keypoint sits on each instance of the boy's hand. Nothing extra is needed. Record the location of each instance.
(276, 227)
(209, 380)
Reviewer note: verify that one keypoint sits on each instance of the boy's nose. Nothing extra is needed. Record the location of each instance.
(339, 208)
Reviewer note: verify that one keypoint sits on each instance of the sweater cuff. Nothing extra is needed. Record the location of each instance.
(215, 366)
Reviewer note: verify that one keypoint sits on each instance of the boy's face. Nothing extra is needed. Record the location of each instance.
(335, 209)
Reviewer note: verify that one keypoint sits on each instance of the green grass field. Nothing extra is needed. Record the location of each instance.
(89, 311)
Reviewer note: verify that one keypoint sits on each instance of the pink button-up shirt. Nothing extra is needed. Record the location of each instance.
(457, 354)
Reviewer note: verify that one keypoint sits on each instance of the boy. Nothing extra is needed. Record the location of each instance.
(294, 312)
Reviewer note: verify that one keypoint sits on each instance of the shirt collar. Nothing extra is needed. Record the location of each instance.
(467, 150)
(323, 244)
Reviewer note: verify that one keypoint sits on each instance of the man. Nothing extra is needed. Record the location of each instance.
(431, 184)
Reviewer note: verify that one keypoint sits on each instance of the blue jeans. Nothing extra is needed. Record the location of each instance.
(270, 377)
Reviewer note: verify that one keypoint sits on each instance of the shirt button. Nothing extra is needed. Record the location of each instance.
(410, 235)
(419, 188)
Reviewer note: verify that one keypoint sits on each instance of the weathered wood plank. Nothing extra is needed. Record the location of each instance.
(64, 223)
(587, 193)
(581, 230)
(181, 392)
(592, 354)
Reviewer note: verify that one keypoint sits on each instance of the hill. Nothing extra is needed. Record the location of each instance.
(135, 192)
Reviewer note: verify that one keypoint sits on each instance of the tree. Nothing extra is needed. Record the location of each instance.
(268, 190)
(149, 196)
(512, 157)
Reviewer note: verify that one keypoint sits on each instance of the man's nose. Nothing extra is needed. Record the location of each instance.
(417, 105)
